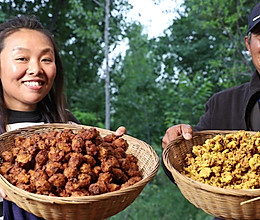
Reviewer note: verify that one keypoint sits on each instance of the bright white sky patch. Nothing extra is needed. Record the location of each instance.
(155, 17)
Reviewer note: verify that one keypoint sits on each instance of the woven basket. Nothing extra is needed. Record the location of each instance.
(84, 207)
(219, 202)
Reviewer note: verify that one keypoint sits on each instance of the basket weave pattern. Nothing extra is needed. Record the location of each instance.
(83, 207)
(219, 202)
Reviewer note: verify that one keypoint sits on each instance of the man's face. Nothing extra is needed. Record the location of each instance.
(253, 46)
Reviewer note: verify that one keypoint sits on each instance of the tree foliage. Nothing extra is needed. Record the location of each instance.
(203, 50)
(137, 97)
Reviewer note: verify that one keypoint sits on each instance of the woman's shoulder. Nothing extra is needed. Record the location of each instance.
(71, 117)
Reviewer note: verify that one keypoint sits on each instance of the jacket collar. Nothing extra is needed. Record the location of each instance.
(254, 87)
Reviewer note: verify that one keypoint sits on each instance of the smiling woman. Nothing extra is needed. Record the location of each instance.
(28, 69)
(31, 87)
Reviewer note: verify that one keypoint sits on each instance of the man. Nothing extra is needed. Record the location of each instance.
(236, 108)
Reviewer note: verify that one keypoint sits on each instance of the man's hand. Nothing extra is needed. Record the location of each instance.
(176, 131)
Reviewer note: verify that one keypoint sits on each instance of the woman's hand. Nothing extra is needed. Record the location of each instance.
(2, 193)
(120, 131)
(175, 131)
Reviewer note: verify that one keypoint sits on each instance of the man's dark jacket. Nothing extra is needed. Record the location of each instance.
(229, 109)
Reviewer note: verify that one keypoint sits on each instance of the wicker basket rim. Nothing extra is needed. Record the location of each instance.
(177, 175)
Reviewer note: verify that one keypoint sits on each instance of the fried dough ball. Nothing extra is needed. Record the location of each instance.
(84, 180)
(43, 186)
(109, 163)
(133, 171)
(120, 142)
(64, 193)
(5, 167)
(13, 174)
(86, 168)
(8, 156)
(82, 192)
(105, 177)
(55, 154)
(131, 182)
(18, 140)
(119, 153)
(70, 172)
(57, 180)
(113, 187)
(90, 160)
(42, 157)
(23, 177)
(63, 146)
(72, 185)
(65, 135)
(89, 134)
(98, 188)
(119, 175)
(75, 159)
(37, 175)
(104, 151)
(77, 144)
(15, 151)
(91, 148)
(53, 167)
(109, 138)
(96, 171)
(42, 145)
(23, 158)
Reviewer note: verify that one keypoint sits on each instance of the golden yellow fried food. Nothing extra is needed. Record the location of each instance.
(67, 163)
(229, 161)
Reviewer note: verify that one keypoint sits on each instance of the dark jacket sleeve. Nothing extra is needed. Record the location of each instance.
(205, 119)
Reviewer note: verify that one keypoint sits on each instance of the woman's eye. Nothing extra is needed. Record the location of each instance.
(48, 60)
(21, 59)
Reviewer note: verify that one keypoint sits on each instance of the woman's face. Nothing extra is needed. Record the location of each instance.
(27, 69)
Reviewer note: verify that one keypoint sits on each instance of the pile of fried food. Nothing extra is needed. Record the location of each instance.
(66, 163)
(230, 161)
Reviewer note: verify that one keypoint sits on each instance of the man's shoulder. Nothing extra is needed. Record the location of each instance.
(239, 90)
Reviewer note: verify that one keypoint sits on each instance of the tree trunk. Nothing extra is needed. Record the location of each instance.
(107, 77)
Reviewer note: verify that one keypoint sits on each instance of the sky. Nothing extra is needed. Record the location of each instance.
(155, 17)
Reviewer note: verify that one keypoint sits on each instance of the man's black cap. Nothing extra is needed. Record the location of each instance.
(254, 18)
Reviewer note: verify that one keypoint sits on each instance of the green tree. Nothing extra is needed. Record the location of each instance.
(137, 98)
(201, 53)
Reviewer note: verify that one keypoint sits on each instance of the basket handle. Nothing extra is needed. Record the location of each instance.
(250, 200)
